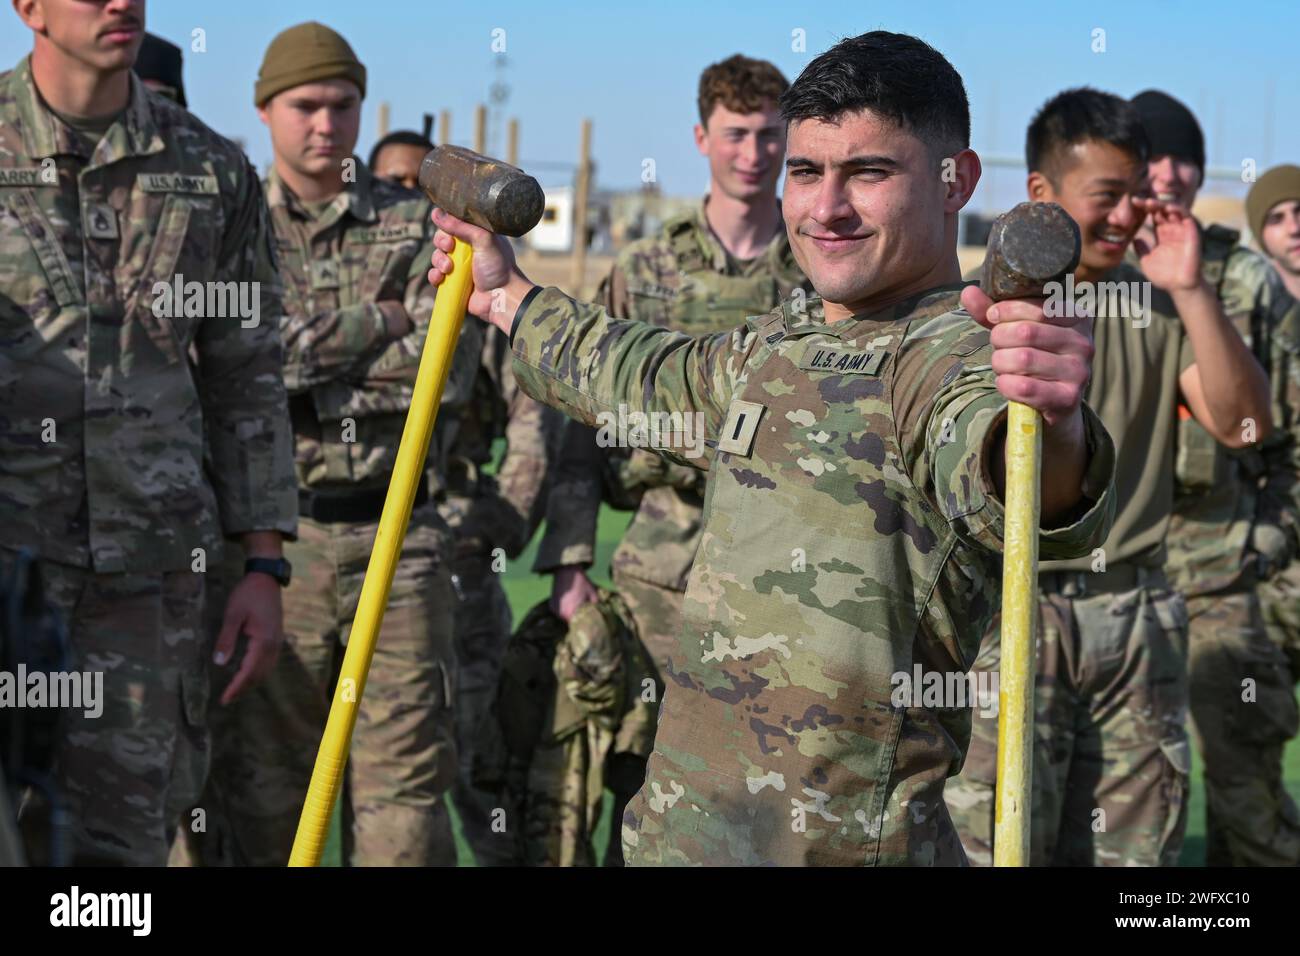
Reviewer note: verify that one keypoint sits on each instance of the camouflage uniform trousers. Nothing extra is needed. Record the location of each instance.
(128, 773)
(403, 754)
(482, 622)
(1110, 760)
(1280, 600)
(1240, 730)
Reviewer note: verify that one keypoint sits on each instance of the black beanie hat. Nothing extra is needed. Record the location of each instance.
(1171, 127)
(160, 61)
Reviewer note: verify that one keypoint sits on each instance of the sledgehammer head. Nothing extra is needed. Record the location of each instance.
(1029, 246)
(491, 194)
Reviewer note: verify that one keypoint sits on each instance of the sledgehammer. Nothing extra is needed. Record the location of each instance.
(1031, 245)
(507, 201)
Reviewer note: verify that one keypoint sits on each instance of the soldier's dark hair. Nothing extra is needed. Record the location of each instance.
(399, 137)
(741, 84)
(1078, 116)
(893, 75)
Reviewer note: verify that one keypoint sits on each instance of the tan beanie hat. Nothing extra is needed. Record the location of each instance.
(306, 53)
(1277, 185)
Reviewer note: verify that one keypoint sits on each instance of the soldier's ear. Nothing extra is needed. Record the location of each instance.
(31, 13)
(701, 139)
(1040, 188)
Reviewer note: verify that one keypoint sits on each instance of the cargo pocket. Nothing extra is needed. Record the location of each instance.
(1272, 717)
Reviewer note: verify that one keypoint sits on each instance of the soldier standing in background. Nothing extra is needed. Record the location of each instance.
(705, 271)
(1232, 529)
(1110, 778)
(356, 312)
(398, 155)
(112, 387)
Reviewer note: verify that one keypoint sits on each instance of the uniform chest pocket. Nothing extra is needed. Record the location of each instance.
(179, 286)
(48, 251)
(376, 269)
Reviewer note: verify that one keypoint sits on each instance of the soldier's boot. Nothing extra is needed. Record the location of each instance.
(1243, 713)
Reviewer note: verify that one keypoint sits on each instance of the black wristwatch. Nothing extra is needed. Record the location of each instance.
(278, 568)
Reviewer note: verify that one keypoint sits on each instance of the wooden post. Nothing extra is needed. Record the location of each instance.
(480, 129)
(512, 143)
(383, 120)
(580, 212)
(444, 127)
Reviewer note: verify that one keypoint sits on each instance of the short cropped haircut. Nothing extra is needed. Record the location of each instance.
(1078, 116)
(741, 84)
(893, 75)
(399, 137)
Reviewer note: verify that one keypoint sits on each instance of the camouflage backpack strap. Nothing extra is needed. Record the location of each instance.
(1217, 243)
(684, 241)
(1200, 464)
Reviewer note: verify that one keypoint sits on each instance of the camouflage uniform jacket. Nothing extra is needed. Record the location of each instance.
(349, 382)
(108, 389)
(1235, 508)
(682, 279)
(850, 532)
(501, 510)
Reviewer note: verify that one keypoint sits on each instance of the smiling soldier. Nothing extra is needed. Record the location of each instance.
(854, 520)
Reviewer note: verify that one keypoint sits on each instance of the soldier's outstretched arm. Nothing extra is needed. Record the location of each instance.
(574, 357)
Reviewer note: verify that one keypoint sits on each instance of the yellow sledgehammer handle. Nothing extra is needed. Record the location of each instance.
(1024, 453)
(435, 364)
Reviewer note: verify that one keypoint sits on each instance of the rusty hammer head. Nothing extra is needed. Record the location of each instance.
(493, 195)
(1029, 246)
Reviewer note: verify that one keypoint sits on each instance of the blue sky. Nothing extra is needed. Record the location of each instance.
(632, 68)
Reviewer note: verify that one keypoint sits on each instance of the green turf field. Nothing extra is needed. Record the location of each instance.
(526, 589)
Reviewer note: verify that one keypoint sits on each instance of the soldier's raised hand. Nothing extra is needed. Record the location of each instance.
(1173, 263)
(1040, 361)
(499, 286)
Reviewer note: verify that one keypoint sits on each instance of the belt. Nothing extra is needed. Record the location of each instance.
(1121, 577)
(353, 507)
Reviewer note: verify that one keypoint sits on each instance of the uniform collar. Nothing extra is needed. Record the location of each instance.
(776, 259)
(927, 305)
(357, 199)
(135, 133)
